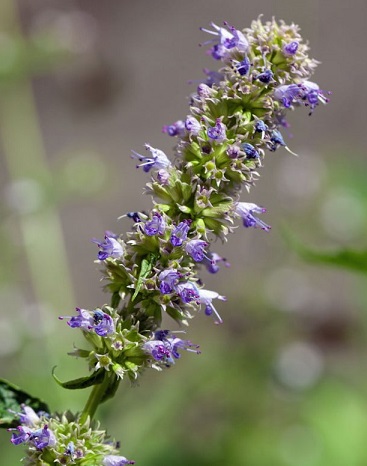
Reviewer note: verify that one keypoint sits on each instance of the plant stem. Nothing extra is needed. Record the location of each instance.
(95, 399)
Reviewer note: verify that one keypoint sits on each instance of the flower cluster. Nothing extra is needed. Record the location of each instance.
(63, 440)
(236, 114)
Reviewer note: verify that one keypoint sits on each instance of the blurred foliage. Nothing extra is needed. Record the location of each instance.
(21, 59)
(345, 257)
(350, 184)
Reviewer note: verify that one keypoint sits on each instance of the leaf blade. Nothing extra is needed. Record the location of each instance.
(83, 382)
(12, 398)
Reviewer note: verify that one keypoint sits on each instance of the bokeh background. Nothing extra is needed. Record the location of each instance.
(283, 381)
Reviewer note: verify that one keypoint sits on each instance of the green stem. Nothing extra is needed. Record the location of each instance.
(95, 399)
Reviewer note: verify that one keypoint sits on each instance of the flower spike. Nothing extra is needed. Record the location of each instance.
(153, 272)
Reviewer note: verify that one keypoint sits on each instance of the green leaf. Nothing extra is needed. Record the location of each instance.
(344, 257)
(12, 398)
(115, 299)
(153, 309)
(161, 192)
(186, 191)
(218, 211)
(111, 389)
(213, 224)
(176, 315)
(145, 268)
(184, 209)
(84, 382)
(163, 207)
(247, 115)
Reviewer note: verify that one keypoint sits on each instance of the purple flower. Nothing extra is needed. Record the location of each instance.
(87, 321)
(23, 434)
(204, 91)
(70, 450)
(157, 160)
(162, 334)
(265, 77)
(176, 129)
(287, 94)
(250, 151)
(312, 94)
(114, 460)
(187, 291)
(206, 297)
(238, 39)
(218, 131)
(156, 226)
(233, 151)
(218, 51)
(211, 260)
(195, 248)
(290, 48)
(40, 438)
(135, 216)
(110, 247)
(177, 343)
(159, 351)
(84, 320)
(246, 210)
(226, 40)
(102, 323)
(192, 125)
(165, 348)
(243, 66)
(163, 176)
(179, 234)
(276, 140)
(206, 148)
(168, 279)
(307, 94)
(43, 438)
(28, 417)
(213, 77)
(260, 126)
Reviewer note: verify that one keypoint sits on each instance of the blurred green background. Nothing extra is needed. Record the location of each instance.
(282, 382)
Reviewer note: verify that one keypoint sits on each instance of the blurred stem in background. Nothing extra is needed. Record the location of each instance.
(30, 177)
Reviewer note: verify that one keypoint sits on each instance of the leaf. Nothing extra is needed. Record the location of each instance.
(161, 192)
(184, 209)
(344, 257)
(12, 398)
(217, 211)
(83, 382)
(115, 299)
(213, 224)
(176, 315)
(145, 268)
(111, 389)
(186, 191)
(151, 310)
